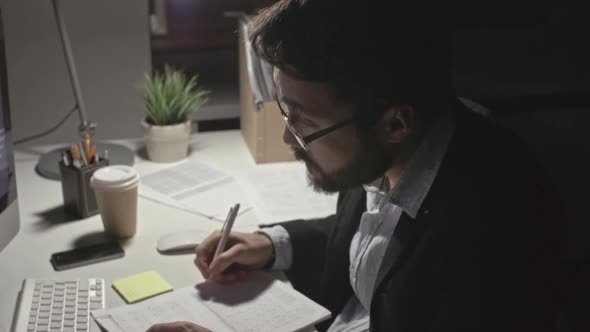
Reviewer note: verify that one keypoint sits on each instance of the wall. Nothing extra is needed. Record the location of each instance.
(218, 73)
(110, 42)
(528, 62)
(202, 40)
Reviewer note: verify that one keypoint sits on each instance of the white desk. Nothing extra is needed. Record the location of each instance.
(28, 253)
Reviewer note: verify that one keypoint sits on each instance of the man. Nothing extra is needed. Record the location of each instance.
(443, 223)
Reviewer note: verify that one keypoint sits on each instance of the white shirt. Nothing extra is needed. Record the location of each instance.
(378, 223)
(367, 249)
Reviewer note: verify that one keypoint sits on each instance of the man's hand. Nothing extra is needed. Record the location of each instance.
(177, 327)
(243, 252)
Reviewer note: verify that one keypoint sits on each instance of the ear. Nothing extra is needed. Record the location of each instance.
(398, 123)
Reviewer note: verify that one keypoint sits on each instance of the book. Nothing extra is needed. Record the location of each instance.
(258, 303)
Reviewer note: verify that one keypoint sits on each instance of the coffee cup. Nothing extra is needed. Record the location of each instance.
(115, 188)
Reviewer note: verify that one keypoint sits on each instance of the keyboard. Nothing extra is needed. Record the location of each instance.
(64, 305)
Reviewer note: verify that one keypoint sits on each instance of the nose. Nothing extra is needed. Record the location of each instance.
(288, 137)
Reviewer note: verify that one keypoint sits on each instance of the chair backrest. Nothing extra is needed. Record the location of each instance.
(560, 139)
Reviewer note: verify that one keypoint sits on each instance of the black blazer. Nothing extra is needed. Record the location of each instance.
(483, 253)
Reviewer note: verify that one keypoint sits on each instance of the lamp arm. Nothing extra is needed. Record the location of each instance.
(85, 126)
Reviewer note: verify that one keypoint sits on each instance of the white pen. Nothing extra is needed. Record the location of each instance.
(226, 229)
(64, 158)
(85, 161)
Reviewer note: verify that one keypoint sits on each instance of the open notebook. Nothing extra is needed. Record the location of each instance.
(256, 304)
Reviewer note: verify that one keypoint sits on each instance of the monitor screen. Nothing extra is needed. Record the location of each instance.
(9, 219)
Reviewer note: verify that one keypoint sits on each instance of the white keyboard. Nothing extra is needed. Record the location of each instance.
(59, 305)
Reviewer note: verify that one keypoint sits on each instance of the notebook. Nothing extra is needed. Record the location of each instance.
(141, 286)
(258, 303)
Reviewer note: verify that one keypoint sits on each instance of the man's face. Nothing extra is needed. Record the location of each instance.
(342, 159)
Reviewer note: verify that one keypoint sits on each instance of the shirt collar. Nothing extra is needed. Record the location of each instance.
(374, 186)
(422, 168)
(374, 193)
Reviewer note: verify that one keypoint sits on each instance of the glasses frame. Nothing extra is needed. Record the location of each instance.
(305, 140)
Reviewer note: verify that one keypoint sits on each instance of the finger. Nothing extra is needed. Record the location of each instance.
(203, 267)
(209, 244)
(242, 274)
(159, 328)
(190, 327)
(225, 259)
(206, 249)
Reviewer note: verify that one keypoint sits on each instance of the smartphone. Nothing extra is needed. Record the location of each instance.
(86, 255)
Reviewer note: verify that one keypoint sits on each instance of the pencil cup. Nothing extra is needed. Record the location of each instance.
(79, 198)
(116, 193)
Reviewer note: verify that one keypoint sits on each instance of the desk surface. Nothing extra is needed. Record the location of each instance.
(43, 229)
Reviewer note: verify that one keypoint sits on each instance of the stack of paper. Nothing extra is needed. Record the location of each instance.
(197, 187)
(256, 304)
(259, 71)
(280, 192)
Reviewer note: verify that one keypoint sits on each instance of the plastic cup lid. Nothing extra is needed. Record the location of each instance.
(115, 177)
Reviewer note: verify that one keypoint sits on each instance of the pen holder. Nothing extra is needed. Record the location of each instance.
(79, 198)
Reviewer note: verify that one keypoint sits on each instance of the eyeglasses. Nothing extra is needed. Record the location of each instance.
(305, 140)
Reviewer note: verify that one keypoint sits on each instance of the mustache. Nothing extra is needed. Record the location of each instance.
(300, 154)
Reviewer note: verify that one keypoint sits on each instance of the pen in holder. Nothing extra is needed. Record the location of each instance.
(76, 171)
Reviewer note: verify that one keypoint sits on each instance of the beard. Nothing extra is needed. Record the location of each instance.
(368, 163)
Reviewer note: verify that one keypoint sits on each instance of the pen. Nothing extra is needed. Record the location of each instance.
(83, 155)
(226, 229)
(64, 158)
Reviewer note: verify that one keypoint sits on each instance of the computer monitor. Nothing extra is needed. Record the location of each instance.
(9, 217)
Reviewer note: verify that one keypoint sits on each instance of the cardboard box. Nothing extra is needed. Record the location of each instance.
(262, 125)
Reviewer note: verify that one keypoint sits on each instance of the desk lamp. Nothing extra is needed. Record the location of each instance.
(48, 165)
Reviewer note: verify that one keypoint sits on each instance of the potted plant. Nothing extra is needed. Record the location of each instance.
(170, 98)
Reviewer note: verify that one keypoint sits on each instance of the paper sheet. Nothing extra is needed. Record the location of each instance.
(197, 187)
(255, 304)
(280, 192)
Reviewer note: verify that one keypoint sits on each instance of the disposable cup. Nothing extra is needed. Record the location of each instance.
(115, 188)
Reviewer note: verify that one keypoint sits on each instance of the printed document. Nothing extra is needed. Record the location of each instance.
(197, 187)
(256, 304)
(281, 192)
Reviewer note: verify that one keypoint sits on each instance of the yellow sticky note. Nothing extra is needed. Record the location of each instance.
(141, 286)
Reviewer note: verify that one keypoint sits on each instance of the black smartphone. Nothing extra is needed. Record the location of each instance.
(86, 255)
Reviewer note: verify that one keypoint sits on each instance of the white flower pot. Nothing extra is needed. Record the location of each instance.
(167, 144)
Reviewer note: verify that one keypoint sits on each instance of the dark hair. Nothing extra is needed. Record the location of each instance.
(389, 52)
